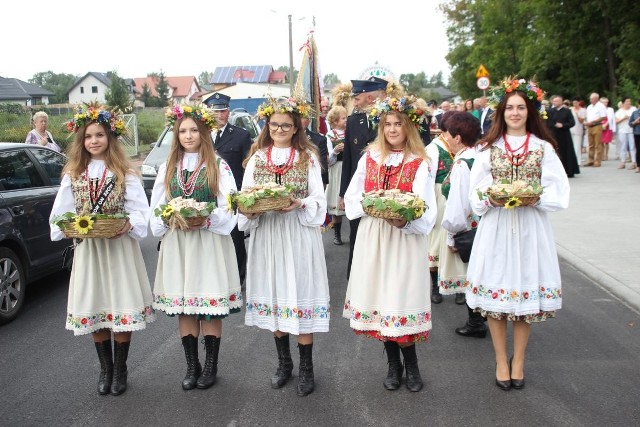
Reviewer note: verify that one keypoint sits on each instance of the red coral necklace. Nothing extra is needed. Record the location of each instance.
(517, 159)
(189, 186)
(94, 193)
(279, 170)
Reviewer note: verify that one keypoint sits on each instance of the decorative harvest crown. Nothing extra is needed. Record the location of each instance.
(284, 105)
(198, 113)
(402, 105)
(97, 113)
(512, 84)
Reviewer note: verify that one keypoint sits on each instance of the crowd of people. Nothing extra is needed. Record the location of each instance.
(498, 258)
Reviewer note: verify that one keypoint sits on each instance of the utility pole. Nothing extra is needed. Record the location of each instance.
(291, 82)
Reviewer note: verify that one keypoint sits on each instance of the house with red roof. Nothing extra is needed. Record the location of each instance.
(181, 88)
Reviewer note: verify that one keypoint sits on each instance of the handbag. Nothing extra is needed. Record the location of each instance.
(463, 242)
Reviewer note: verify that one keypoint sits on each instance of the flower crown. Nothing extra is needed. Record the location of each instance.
(94, 112)
(402, 105)
(284, 105)
(508, 85)
(197, 113)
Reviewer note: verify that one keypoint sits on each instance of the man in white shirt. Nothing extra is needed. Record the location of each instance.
(596, 113)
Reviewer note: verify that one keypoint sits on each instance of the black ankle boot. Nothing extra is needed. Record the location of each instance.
(474, 327)
(285, 364)
(337, 233)
(106, 366)
(120, 354)
(394, 376)
(436, 298)
(190, 344)
(461, 298)
(414, 380)
(210, 370)
(305, 375)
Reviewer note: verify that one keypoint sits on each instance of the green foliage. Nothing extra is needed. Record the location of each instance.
(409, 211)
(68, 217)
(204, 79)
(15, 125)
(117, 94)
(151, 122)
(248, 199)
(286, 70)
(162, 88)
(59, 84)
(421, 85)
(330, 79)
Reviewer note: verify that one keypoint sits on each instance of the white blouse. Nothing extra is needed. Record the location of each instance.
(221, 221)
(135, 201)
(333, 156)
(423, 185)
(315, 204)
(458, 209)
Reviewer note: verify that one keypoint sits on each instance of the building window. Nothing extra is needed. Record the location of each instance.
(81, 89)
(94, 89)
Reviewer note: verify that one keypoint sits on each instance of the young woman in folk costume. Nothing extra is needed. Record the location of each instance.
(462, 134)
(513, 271)
(287, 286)
(109, 289)
(386, 297)
(197, 274)
(442, 155)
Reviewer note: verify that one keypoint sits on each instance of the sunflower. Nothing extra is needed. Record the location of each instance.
(512, 202)
(83, 224)
(231, 203)
(167, 212)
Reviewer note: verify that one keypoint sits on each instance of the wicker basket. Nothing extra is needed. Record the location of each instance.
(196, 221)
(103, 228)
(385, 214)
(266, 205)
(501, 199)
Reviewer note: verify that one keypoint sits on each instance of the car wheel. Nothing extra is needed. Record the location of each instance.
(12, 285)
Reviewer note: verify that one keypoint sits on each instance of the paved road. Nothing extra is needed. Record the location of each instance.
(583, 370)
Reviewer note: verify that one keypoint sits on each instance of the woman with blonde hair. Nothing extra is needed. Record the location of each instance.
(387, 299)
(337, 118)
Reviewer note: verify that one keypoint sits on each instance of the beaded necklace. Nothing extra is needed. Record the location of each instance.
(189, 186)
(94, 193)
(517, 159)
(279, 170)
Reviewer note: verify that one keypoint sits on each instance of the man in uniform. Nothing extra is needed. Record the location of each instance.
(232, 144)
(357, 136)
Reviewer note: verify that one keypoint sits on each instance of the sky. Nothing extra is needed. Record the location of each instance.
(136, 38)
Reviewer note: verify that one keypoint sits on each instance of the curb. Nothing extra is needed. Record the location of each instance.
(609, 284)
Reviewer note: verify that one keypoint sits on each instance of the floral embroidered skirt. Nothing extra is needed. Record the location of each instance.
(197, 274)
(528, 318)
(438, 235)
(287, 285)
(333, 190)
(109, 287)
(452, 272)
(388, 293)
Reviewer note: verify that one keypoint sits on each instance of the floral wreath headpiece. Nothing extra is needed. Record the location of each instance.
(512, 84)
(198, 113)
(403, 105)
(90, 113)
(284, 105)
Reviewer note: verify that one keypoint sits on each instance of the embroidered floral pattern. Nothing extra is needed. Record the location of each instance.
(506, 295)
(434, 258)
(409, 320)
(530, 171)
(80, 187)
(421, 337)
(453, 284)
(268, 310)
(232, 301)
(528, 318)
(297, 177)
(406, 180)
(444, 164)
(105, 319)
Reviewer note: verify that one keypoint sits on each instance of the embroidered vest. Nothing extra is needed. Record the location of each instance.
(80, 188)
(444, 164)
(401, 179)
(529, 171)
(297, 177)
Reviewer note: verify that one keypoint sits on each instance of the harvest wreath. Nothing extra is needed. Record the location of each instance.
(393, 204)
(88, 225)
(262, 198)
(514, 194)
(183, 214)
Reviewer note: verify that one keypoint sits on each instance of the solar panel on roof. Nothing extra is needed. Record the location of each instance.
(234, 74)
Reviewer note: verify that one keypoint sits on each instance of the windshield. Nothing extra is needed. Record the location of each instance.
(160, 152)
(246, 122)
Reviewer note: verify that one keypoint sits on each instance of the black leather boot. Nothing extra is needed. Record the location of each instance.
(461, 298)
(106, 366)
(394, 376)
(337, 233)
(285, 364)
(436, 297)
(414, 380)
(210, 370)
(190, 345)
(474, 327)
(305, 375)
(120, 354)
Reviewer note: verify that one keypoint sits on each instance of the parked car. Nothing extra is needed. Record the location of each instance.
(158, 155)
(29, 179)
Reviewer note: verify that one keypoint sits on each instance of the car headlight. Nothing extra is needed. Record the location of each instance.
(148, 170)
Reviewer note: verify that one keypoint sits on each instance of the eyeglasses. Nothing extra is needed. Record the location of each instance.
(286, 127)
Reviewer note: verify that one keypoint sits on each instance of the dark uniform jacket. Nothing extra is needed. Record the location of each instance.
(358, 135)
(233, 147)
(321, 143)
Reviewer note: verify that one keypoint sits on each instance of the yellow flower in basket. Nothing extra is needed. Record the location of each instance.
(167, 212)
(512, 202)
(83, 224)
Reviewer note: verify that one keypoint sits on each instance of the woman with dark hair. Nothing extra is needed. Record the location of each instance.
(463, 131)
(513, 271)
(287, 286)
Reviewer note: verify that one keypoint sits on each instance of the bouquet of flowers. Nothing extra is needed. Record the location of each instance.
(90, 226)
(393, 204)
(514, 194)
(183, 214)
(262, 198)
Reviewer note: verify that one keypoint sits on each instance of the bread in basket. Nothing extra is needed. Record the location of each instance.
(393, 204)
(90, 226)
(514, 194)
(262, 198)
(183, 214)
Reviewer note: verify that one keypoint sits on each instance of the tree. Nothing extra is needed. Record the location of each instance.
(204, 79)
(162, 88)
(286, 70)
(59, 84)
(117, 94)
(146, 96)
(330, 79)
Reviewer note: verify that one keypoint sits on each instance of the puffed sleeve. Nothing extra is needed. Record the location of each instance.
(315, 204)
(353, 196)
(554, 181)
(480, 180)
(63, 203)
(245, 223)
(457, 209)
(222, 219)
(136, 206)
(424, 186)
(158, 197)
